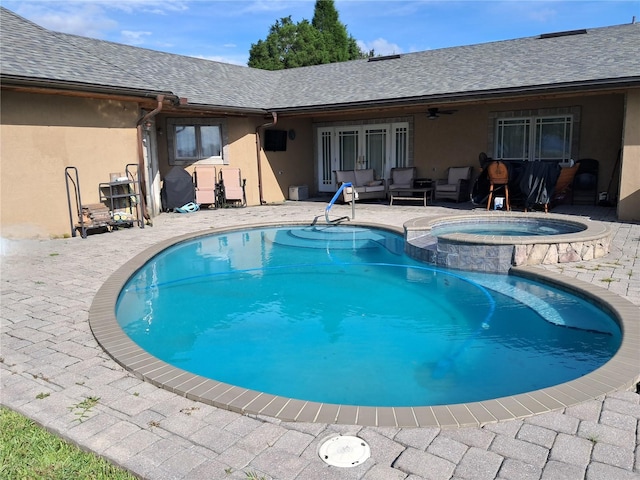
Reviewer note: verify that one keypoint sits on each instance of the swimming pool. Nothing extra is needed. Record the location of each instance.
(440, 365)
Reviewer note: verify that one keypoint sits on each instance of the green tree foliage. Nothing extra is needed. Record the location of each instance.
(338, 45)
(290, 45)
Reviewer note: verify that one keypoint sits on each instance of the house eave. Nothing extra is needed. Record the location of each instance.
(16, 81)
(619, 84)
(38, 85)
(225, 109)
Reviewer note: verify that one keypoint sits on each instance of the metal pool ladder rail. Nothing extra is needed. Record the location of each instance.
(333, 200)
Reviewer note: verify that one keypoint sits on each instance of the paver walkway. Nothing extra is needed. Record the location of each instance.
(47, 347)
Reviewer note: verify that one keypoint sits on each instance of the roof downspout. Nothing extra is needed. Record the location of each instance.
(141, 170)
(258, 149)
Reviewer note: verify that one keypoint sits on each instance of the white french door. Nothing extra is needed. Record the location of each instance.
(377, 146)
(349, 157)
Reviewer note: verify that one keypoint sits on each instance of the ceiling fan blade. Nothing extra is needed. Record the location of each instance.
(434, 112)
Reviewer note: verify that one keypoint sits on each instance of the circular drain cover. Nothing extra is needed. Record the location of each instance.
(344, 451)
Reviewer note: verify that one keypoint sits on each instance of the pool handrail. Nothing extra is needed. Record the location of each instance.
(335, 197)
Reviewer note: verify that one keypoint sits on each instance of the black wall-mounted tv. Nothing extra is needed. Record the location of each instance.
(275, 140)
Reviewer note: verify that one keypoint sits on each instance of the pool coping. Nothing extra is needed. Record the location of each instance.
(594, 230)
(621, 372)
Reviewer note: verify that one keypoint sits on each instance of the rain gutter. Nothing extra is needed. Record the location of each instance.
(142, 123)
(258, 151)
(479, 95)
(76, 87)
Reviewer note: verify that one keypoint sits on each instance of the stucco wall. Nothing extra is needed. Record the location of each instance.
(629, 204)
(41, 135)
(458, 138)
(279, 169)
(293, 167)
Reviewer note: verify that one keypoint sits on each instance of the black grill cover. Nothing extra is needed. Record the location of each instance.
(177, 189)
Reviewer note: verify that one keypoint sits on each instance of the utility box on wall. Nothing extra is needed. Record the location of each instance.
(298, 192)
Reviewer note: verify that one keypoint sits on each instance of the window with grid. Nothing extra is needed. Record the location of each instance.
(192, 140)
(534, 138)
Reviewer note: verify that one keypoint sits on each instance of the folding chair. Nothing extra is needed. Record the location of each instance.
(204, 178)
(232, 187)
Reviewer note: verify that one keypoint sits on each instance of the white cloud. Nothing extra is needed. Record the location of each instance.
(93, 18)
(380, 46)
(235, 60)
(134, 38)
(89, 20)
(544, 15)
(267, 6)
(157, 7)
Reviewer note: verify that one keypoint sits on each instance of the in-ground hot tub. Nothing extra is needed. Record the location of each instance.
(496, 241)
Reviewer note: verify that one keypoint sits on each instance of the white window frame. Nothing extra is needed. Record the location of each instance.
(197, 123)
(398, 144)
(532, 133)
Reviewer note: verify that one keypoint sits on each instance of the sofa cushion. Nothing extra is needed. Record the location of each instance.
(374, 188)
(363, 177)
(402, 178)
(457, 173)
(447, 187)
(345, 176)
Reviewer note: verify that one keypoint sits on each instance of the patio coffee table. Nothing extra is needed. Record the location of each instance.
(409, 194)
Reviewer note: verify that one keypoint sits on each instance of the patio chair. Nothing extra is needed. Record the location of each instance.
(563, 189)
(498, 174)
(205, 181)
(585, 183)
(402, 177)
(232, 188)
(455, 186)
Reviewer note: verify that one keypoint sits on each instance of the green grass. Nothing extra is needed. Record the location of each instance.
(29, 452)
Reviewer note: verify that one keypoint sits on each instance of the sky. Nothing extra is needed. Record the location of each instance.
(225, 30)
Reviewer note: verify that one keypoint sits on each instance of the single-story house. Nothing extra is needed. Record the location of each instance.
(97, 106)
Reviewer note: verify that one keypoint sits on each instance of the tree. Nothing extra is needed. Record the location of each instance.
(339, 46)
(290, 45)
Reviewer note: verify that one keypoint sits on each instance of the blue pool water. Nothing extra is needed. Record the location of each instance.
(341, 315)
(508, 228)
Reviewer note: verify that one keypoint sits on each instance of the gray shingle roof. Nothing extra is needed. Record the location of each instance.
(602, 54)
(31, 51)
(606, 56)
(202, 82)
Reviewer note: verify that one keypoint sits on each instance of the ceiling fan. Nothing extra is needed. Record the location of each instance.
(433, 113)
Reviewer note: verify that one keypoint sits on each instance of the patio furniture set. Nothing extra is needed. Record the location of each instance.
(209, 187)
(403, 184)
(532, 184)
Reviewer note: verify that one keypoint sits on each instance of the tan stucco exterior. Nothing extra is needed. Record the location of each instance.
(629, 203)
(44, 134)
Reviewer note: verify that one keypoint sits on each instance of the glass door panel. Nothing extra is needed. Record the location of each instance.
(376, 151)
(348, 149)
(399, 149)
(325, 160)
(356, 147)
